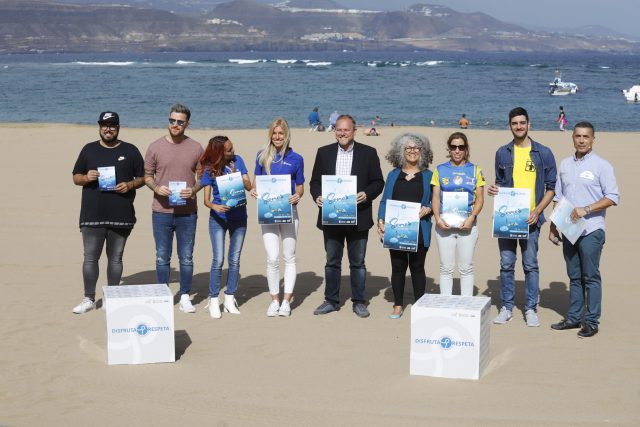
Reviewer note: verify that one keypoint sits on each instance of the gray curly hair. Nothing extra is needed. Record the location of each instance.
(395, 156)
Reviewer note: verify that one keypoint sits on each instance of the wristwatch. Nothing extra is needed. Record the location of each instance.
(587, 209)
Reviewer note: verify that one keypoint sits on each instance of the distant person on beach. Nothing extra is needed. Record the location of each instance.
(170, 170)
(219, 159)
(332, 120)
(463, 122)
(278, 158)
(107, 214)
(562, 119)
(523, 163)
(409, 181)
(371, 132)
(347, 157)
(588, 182)
(457, 176)
(314, 118)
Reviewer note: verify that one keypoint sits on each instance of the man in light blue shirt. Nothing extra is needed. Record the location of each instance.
(588, 182)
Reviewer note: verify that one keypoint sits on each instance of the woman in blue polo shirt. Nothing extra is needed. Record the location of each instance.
(277, 158)
(456, 230)
(219, 159)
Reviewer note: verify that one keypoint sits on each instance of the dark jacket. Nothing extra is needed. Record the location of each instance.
(425, 221)
(365, 165)
(544, 162)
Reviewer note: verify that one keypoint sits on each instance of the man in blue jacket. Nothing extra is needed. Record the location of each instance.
(523, 163)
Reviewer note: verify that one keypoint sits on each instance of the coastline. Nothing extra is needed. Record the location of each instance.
(250, 369)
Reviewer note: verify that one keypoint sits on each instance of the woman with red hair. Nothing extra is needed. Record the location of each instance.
(219, 159)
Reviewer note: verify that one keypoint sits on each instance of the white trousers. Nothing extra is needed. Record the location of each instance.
(272, 234)
(458, 244)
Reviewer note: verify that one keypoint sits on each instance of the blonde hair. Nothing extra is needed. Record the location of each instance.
(266, 156)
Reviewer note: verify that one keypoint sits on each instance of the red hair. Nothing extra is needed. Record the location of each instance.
(213, 156)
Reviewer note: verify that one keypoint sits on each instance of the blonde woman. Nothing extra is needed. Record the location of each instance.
(278, 158)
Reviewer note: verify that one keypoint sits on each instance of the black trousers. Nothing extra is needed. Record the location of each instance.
(400, 260)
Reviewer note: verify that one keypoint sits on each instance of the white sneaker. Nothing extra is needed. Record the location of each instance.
(285, 309)
(185, 304)
(214, 308)
(532, 318)
(272, 311)
(230, 304)
(503, 317)
(87, 304)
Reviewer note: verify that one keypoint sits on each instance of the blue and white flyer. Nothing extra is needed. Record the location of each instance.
(273, 199)
(174, 198)
(339, 206)
(107, 178)
(231, 189)
(401, 226)
(561, 217)
(455, 206)
(510, 213)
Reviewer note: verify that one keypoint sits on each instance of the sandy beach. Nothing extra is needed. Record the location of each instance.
(336, 369)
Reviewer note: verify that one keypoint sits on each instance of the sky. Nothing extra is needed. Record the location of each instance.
(620, 15)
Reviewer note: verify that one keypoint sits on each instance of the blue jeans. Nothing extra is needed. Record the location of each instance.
(334, 238)
(583, 269)
(184, 226)
(529, 250)
(217, 231)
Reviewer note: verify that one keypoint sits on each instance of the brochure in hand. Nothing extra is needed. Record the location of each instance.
(455, 205)
(561, 217)
(174, 198)
(107, 178)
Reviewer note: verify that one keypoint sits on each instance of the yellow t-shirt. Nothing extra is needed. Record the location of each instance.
(524, 172)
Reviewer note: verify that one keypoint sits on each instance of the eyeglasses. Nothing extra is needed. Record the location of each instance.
(454, 147)
(180, 123)
(108, 127)
(411, 149)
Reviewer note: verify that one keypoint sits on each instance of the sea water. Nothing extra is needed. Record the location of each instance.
(249, 89)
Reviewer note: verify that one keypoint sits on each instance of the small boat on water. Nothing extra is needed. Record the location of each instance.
(560, 88)
(632, 94)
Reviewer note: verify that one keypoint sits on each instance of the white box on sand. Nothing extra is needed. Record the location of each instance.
(450, 336)
(140, 325)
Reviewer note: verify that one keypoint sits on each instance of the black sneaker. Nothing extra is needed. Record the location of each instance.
(565, 324)
(587, 331)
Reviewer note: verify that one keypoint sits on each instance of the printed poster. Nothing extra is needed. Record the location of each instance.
(561, 217)
(455, 207)
(510, 213)
(231, 189)
(107, 178)
(339, 205)
(401, 226)
(273, 199)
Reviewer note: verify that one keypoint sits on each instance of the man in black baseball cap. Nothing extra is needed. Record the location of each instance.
(109, 170)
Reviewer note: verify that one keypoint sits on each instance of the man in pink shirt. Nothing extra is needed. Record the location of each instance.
(170, 171)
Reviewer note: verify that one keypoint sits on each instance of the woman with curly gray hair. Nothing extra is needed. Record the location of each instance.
(410, 155)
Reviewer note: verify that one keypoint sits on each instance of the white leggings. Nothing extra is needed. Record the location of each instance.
(271, 236)
(464, 243)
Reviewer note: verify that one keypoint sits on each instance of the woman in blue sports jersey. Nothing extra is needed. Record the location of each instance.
(458, 196)
(278, 158)
(217, 160)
